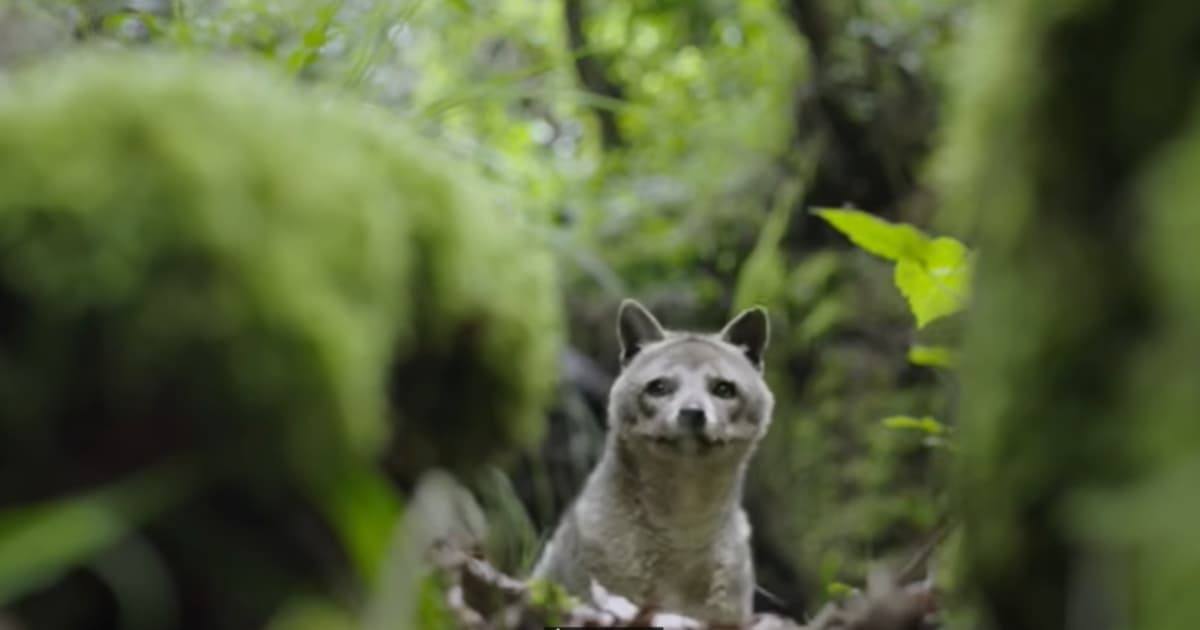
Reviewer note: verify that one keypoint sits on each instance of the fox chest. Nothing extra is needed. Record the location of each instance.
(653, 574)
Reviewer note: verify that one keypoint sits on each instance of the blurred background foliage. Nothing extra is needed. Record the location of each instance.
(669, 150)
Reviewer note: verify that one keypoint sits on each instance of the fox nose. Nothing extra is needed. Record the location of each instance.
(692, 419)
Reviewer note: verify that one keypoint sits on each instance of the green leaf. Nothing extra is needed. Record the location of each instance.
(936, 282)
(931, 356)
(550, 596)
(433, 612)
(41, 542)
(838, 590)
(932, 274)
(300, 59)
(893, 241)
(364, 510)
(925, 425)
(315, 37)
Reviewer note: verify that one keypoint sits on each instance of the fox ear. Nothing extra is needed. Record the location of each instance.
(636, 327)
(749, 331)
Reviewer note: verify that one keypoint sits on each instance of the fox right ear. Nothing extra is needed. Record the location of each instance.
(636, 328)
(749, 331)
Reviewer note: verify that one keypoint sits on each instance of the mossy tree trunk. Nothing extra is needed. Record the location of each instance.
(224, 299)
(1074, 155)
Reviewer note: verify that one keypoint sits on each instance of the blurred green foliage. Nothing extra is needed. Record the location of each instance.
(263, 286)
(1071, 159)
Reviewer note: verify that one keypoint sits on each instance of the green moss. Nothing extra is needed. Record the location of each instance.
(208, 260)
(1078, 416)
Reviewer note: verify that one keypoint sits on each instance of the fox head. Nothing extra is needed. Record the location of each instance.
(687, 394)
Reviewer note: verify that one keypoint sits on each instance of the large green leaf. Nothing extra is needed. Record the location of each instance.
(932, 274)
(936, 282)
(893, 241)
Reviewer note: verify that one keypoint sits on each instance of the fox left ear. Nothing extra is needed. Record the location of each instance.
(749, 331)
(636, 328)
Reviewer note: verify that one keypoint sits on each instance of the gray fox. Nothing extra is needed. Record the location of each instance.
(659, 519)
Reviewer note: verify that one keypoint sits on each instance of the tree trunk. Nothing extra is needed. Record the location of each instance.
(1073, 157)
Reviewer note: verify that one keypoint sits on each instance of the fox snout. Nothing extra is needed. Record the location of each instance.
(692, 419)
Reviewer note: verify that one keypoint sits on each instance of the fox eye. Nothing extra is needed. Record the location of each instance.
(724, 389)
(658, 387)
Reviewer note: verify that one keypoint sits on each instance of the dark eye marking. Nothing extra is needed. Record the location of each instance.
(723, 389)
(659, 387)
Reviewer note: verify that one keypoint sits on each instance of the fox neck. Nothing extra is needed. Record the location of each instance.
(689, 500)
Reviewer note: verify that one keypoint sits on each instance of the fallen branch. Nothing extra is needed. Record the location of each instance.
(483, 598)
